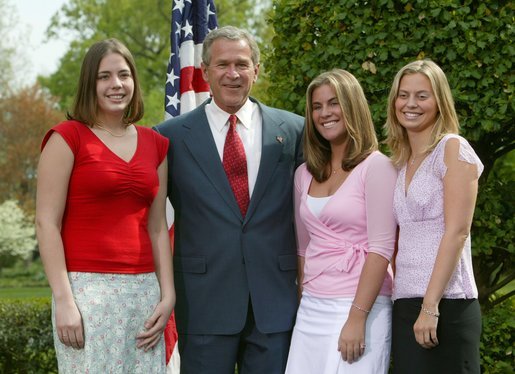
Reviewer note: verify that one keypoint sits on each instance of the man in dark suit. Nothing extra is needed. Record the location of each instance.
(235, 253)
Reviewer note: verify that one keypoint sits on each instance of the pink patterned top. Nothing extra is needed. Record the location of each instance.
(420, 215)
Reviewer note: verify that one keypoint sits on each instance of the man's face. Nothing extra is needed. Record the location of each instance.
(230, 73)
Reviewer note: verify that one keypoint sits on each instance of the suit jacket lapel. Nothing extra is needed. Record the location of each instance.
(271, 151)
(201, 144)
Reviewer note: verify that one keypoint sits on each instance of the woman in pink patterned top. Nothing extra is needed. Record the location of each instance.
(436, 316)
(346, 235)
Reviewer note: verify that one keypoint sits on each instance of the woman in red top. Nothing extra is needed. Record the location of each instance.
(101, 224)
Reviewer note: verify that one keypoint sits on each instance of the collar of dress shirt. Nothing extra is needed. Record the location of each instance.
(221, 117)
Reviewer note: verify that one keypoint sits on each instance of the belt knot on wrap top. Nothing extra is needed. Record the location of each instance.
(332, 253)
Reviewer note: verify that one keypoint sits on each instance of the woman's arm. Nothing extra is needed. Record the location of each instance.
(300, 275)
(301, 233)
(352, 337)
(381, 234)
(161, 250)
(54, 170)
(460, 191)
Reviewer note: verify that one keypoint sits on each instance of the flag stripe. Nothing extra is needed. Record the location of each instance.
(192, 80)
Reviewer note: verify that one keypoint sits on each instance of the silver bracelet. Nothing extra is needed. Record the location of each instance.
(428, 312)
(359, 308)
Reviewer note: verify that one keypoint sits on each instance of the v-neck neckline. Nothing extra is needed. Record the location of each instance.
(127, 162)
(407, 186)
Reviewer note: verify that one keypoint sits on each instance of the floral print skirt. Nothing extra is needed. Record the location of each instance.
(114, 308)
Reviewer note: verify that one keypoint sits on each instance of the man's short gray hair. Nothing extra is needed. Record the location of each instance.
(230, 33)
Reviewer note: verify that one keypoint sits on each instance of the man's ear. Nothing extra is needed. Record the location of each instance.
(256, 72)
(203, 68)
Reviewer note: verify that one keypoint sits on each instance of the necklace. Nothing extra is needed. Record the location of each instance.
(112, 133)
(334, 171)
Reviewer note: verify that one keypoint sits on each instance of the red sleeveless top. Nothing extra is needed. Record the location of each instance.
(104, 228)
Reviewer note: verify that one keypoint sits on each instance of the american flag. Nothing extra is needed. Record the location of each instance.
(185, 87)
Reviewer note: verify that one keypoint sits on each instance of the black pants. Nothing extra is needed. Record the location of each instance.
(458, 332)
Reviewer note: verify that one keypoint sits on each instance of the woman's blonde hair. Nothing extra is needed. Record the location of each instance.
(446, 120)
(361, 136)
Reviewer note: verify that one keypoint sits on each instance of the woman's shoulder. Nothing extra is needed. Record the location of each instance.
(152, 138)
(150, 133)
(70, 130)
(377, 166)
(302, 170)
(302, 174)
(377, 159)
(69, 125)
(146, 131)
(463, 143)
(458, 145)
(440, 147)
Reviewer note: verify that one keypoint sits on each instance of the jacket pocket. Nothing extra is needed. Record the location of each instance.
(288, 262)
(196, 265)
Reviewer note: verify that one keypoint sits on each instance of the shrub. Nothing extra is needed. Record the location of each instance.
(497, 339)
(26, 341)
(23, 274)
(493, 241)
(17, 233)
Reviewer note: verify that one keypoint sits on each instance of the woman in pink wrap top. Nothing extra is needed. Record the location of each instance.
(346, 235)
(356, 220)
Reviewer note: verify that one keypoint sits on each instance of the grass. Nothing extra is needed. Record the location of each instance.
(25, 292)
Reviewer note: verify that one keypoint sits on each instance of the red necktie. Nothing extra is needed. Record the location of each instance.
(235, 166)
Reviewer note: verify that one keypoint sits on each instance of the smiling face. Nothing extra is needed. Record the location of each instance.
(327, 115)
(230, 73)
(416, 108)
(115, 87)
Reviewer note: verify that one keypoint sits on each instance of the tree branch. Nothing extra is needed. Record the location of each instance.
(504, 150)
(509, 278)
(502, 298)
